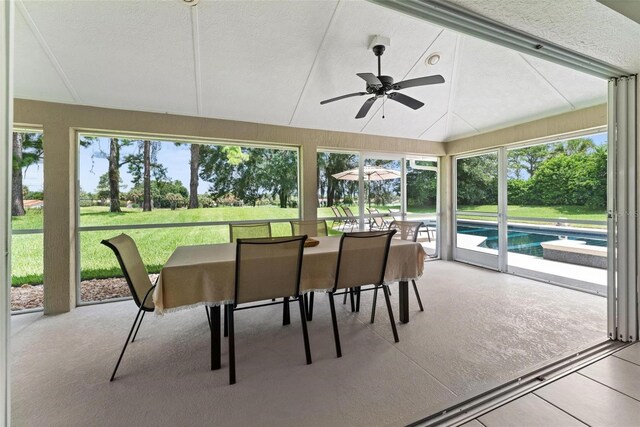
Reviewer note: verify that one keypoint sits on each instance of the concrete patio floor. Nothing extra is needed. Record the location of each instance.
(479, 329)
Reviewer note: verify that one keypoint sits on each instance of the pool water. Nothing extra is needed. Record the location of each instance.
(527, 241)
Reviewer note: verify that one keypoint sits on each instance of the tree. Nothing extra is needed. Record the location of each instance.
(527, 159)
(113, 157)
(421, 188)
(276, 171)
(194, 169)
(330, 164)
(27, 151)
(194, 166)
(575, 146)
(103, 190)
(478, 180)
(141, 165)
(174, 199)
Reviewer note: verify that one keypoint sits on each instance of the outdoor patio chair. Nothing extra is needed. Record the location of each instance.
(352, 220)
(406, 230)
(266, 269)
(362, 260)
(249, 231)
(137, 279)
(336, 221)
(395, 214)
(377, 222)
(310, 228)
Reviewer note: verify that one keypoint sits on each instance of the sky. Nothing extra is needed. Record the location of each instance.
(176, 159)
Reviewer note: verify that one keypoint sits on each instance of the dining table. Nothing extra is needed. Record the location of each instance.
(204, 275)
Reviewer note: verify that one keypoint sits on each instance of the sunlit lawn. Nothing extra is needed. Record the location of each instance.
(553, 213)
(155, 244)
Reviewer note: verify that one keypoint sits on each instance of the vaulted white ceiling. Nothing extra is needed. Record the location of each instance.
(274, 61)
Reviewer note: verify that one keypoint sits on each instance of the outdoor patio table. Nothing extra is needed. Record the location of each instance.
(205, 275)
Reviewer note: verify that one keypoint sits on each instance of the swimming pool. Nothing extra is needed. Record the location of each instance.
(525, 240)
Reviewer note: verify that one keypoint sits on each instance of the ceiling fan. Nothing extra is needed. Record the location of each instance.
(379, 86)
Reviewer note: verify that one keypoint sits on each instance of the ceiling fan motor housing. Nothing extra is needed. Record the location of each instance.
(387, 85)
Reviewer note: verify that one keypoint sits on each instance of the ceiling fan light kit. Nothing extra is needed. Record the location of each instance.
(380, 86)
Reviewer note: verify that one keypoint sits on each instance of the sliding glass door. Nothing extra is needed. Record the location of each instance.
(477, 210)
(537, 211)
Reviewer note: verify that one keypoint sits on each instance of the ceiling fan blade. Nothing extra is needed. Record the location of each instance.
(405, 100)
(338, 98)
(366, 107)
(420, 81)
(371, 79)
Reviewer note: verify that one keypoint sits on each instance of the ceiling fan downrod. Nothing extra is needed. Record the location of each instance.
(378, 50)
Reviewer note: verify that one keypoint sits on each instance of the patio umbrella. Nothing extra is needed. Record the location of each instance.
(371, 173)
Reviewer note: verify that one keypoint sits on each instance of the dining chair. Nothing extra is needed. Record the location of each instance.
(266, 268)
(313, 229)
(336, 221)
(406, 230)
(362, 260)
(249, 231)
(137, 279)
(310, 228)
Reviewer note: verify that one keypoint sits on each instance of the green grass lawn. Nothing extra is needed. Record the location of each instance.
(552, 212)
(156, 245)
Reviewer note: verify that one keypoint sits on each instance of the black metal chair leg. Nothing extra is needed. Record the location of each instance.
(375, 300)
(358, 299)
(353, 303)
(225, 327)
(344, 298)
(286, 317)
(391, 319)
(415, 288)
(305, 333)
(309, 304)
(138, 328)
(214, 328)
(336, 334)
(125, 344)
(232, 345)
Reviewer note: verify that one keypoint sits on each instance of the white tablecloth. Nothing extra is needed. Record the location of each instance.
(205, 274)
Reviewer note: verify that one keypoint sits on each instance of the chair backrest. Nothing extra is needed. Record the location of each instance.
(347, 211)
(310, 228)
(249, 231)
(133, 268)
(377, 220)
(268, 268)
(336, 211)
(362, 259)
(407, 230)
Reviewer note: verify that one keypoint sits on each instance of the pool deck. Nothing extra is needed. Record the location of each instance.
(579, 276)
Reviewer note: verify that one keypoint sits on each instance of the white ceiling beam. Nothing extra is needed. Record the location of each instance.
(195, 34)
(454, 87)
(432, 124)
(313, 64)
(551, 85)
(47, 50)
